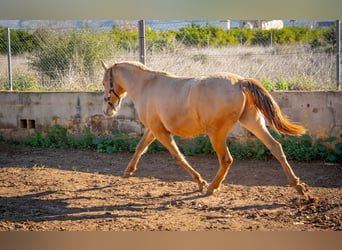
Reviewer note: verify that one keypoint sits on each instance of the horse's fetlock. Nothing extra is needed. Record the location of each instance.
(295, 182)
(302, 188)
(212, 191)
(127, 174)
(202, 185)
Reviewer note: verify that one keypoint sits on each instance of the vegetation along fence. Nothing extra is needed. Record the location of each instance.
(42, 56)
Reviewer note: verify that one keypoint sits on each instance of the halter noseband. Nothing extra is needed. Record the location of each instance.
(111, 90)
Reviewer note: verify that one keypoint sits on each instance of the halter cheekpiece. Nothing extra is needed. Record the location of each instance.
(111, 90)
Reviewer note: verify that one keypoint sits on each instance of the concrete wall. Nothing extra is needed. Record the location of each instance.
(21, 113)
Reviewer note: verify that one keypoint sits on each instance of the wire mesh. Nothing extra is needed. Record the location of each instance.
(67, 57)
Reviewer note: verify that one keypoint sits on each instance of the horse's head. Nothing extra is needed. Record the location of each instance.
(112, 92)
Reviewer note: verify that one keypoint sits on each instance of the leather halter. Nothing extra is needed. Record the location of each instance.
(111, 90)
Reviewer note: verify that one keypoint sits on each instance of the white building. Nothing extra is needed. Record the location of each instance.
(262, 24)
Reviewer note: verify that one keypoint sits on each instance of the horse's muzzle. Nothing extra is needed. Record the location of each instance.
(108, 111)
(109, 114)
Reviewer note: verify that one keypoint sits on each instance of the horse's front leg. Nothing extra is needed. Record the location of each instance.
(145, 141)
(165, 138)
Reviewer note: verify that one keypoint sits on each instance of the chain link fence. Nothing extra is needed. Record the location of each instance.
(68, 57)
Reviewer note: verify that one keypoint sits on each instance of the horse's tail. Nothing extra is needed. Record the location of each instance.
(261, 98)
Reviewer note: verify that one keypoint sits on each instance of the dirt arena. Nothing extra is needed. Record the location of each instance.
(81, 190)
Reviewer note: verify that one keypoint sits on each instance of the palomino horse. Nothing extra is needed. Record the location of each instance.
(171, 105)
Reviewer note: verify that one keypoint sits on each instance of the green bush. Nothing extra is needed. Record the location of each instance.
(192, 35)
(74, 56)
(21, 41)
(160, 40)
(300, 148)
(58, 137)
(92, 45)
(23, 82)
(125, 40)
(208, 35)
(62, 52)
(296, 83)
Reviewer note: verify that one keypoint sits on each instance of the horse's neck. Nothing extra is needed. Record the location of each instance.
(133, 82)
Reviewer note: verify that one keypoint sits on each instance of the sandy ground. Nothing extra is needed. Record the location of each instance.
(81, 190)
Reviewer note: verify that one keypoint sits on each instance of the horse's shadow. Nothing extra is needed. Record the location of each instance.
(252, 173)
(200, 196)
(34, 207)
(37, 208)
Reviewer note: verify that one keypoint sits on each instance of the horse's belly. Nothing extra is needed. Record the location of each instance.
(184, 127)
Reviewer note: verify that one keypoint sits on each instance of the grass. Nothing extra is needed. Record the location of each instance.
(299, 68)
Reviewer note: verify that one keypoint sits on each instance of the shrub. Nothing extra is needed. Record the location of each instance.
(23, 82)
(192, 35)
(157, 41)
(79, 51)
(21, 41)
(125, 40)
(300, 148)
(70, 60)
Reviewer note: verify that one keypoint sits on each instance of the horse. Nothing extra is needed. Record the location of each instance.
(169, 105)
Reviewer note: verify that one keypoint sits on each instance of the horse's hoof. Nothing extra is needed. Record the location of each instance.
(312, 199)
(212, 191)
(302, 188)
(127, 174)
(202, 185)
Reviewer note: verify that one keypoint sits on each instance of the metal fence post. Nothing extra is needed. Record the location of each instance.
(10, 84)
(338, 55)
(142, 52)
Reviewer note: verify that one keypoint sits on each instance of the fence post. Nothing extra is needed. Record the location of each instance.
(142, 52)
(338, 55)
(10, 84)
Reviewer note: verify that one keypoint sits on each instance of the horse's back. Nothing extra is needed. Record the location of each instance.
(219, 100)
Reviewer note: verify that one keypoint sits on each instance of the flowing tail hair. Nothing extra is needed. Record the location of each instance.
(261, 98)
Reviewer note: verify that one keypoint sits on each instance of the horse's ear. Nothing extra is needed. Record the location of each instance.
(104, 65)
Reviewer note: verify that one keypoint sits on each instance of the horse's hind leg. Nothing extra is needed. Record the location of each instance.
(254, 122)
(218, 142)
(145, 141)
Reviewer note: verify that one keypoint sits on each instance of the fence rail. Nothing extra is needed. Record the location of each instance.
(69, 58)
